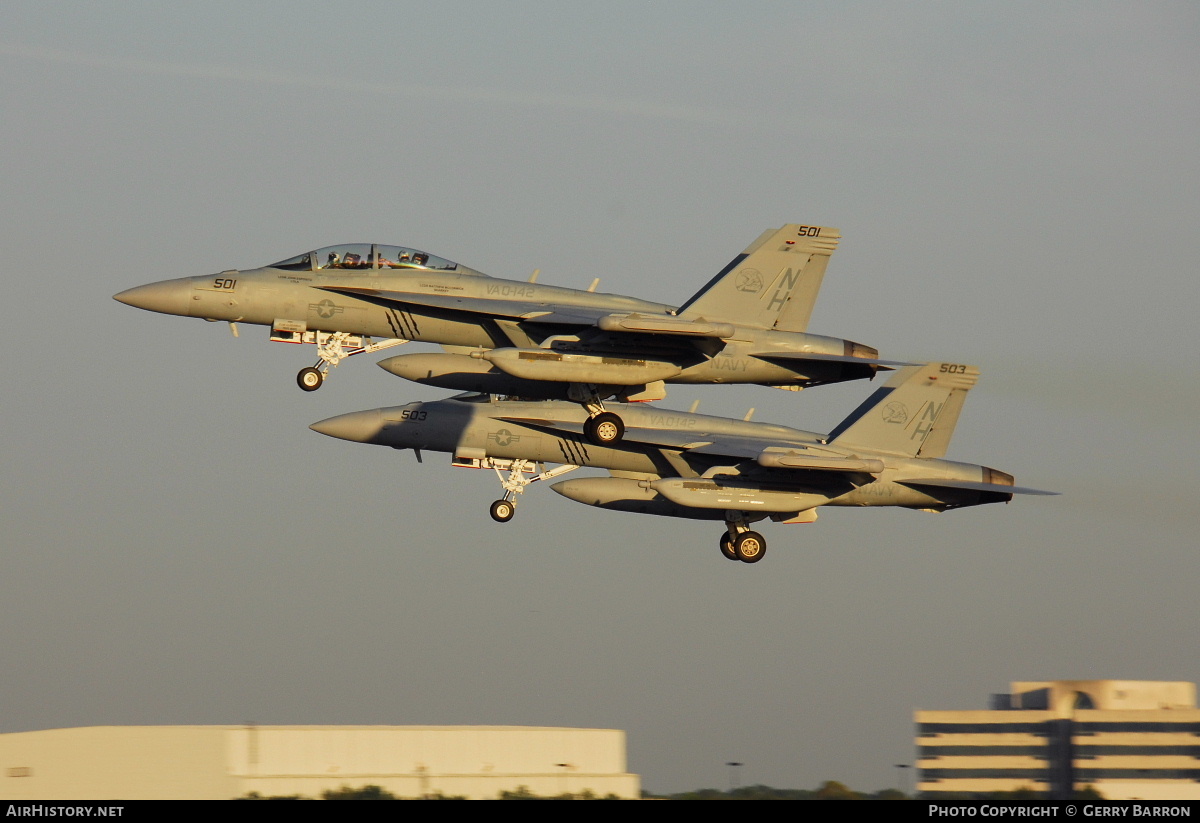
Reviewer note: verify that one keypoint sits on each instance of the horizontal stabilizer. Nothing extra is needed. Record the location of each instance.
(973, 486)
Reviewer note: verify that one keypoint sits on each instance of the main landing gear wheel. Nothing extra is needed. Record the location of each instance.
(727, 547)
(749, 547)
(503, 510)
(310, 379)
(604, 429)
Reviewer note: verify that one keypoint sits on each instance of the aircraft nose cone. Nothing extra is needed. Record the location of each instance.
(166, 296)
(358, 427)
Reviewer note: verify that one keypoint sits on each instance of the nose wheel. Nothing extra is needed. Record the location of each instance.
(310, 379)
(503, 510)
(514, 476)
(332, 348)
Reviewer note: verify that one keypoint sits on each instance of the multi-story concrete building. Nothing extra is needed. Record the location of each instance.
(224, 762)
(1127, 738)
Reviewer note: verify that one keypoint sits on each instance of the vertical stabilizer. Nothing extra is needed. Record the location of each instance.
(914, 413)
(773, 284)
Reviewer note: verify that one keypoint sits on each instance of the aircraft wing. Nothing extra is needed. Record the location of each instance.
(765, 451)
(509, 309)
(665, 438)
(544, 313)
(782, 357)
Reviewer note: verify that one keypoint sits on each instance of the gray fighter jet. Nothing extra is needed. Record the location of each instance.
(519, 338)
(888, 452)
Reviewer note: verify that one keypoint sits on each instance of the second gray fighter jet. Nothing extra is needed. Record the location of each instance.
(888, 452)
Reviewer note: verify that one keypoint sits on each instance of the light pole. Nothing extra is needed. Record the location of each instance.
(564, 767)
(900, 767)
(733, 774)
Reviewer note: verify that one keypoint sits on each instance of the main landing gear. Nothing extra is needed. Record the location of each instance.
(332, 348)
(740, 543)
(602, 428)
(517, 479)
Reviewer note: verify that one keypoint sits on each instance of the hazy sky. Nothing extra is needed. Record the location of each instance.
(1018, 187)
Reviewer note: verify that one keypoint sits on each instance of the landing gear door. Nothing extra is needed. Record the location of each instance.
(288, 331)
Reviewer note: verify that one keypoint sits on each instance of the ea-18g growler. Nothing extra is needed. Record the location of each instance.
(888, 452)
(747, 325)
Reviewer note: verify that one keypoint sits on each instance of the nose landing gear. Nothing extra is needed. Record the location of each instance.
(310, 379)
(332, 348)
(503, 510)
(514, 483)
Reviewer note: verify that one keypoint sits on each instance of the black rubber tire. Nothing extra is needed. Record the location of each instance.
(727, 547)
(310, 379)
(502, 511)
(750, 547)
(605, 429)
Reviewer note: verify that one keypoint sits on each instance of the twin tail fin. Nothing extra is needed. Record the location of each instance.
(773, 284)
(913, 414)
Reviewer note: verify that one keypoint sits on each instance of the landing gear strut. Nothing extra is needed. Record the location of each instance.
(332, 348)
(514, 479)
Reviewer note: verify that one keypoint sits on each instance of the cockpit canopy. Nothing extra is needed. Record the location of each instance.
(368, 257)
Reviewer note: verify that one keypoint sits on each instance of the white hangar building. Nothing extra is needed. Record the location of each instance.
(225, 762)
